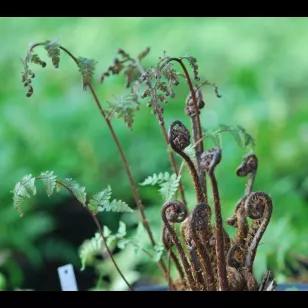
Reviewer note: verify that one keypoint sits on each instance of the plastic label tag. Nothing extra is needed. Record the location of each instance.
(67, 278)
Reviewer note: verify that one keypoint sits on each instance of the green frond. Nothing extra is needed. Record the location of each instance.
(190, 151)
(248, 140)
(156, 179)
(121, 230)
(169, 188)
(89, 249)
(77, 190)
(217, 139)
(49, 181)
(22, 190)
(117, 206)
(87, 69)
(100, 199)
(168, 183)
(100, 202)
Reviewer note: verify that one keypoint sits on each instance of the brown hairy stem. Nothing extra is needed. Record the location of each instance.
(210, 159)
(199, 223)
(221, 264)
(168, 246)
(102, 235)
(258, 206)
(178, 209)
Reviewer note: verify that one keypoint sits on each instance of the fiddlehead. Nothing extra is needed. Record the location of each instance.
(175, 212)
(239, 221)
(235, 279)
(249, 166)
(199, 225)
(258, 206)
(209, 160)
(179, 139)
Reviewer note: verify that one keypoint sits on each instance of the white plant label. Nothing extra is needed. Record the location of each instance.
(67, 278)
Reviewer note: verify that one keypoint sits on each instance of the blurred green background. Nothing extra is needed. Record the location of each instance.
(261, 68)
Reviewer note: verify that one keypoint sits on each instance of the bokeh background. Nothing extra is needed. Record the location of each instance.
(261, 68)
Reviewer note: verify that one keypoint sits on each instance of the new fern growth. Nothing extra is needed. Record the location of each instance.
(203, 255)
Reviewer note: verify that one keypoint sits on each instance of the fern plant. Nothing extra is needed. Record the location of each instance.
(203, 255)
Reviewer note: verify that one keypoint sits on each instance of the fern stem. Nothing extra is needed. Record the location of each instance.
(136, 196)
(173, 256)
(102, 235)
(176, 240)
(196, 125)
(220, 252)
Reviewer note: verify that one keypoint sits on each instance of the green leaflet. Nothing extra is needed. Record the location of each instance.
(49, 181)
(22, 190)
(168, 183)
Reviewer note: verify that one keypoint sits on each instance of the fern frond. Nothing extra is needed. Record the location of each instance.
(156, 179)
(77, 190)
(121, 230)
(53, 52)
(49, 181)
(87, 69)
(248, 140)
(89, 249)
(168, 183)
(125, 107)
(100, 199)
(22, 190)
(217, 139)
(117, 206)
(169, 188)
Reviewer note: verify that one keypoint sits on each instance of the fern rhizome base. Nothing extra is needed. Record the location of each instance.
(204, 255)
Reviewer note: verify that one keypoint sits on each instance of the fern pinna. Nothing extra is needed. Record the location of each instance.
(203, 254)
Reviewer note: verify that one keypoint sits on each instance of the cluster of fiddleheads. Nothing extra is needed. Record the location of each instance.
(210, 258)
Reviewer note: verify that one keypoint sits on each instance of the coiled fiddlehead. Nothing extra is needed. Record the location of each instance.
(179, 139)
(209, 160)
(175, 212)
(239, 221)
(199, 224)
(249, 167)
(258, 206)
(235, 279)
